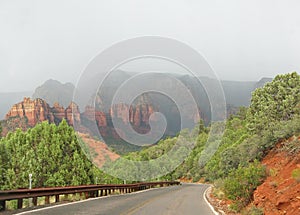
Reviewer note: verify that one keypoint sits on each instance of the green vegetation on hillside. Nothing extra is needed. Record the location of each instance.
(51, 153)
(54, 157)
(274, 114)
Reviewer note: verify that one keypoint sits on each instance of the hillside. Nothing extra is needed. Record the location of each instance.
(245, 162)
(99, 150)
(232, 161)
(280, 191)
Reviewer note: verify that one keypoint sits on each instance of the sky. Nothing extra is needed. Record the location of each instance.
(241, 40)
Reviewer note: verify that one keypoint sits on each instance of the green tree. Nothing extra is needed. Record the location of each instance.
(276, 101)
(51, 153)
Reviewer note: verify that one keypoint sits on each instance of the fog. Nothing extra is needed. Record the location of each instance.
(241, 40)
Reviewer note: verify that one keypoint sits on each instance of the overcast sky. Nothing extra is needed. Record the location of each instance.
(241, 40)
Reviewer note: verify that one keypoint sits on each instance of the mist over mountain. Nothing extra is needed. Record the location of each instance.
(237, 93)
(97, 104)
(54, 91)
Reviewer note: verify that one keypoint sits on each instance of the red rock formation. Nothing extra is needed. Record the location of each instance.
(34, 110)
(91, 114)
(72, 114)
(37, 110)
(120, 111)
(58, 112)
(137, 115)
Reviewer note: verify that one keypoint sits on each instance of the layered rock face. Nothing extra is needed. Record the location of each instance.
(72, 114)
(58, 112)
(38, 110)
(92, 114)
(34, 110)
(137, 115)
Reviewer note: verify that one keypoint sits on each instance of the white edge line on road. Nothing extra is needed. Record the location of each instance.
(85, 200)
(207, 202)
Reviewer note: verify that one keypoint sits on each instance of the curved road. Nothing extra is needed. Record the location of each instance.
(185, 199)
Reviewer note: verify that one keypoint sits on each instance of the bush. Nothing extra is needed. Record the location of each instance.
(296, 174)
(292, 147)
(217, 189)
(241, 183)
(253, 211)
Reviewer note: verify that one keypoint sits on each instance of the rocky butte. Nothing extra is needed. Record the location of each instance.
(29, 112)
(37, 110)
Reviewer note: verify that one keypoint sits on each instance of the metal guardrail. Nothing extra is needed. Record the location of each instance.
(88, 190)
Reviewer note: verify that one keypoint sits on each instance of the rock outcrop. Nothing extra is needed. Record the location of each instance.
(33, 110)
(92, 114)
(37, 110)
(72, 114)
(58, 112)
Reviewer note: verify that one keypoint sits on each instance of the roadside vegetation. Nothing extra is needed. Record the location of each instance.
(54, 157)
(274, 115)
(52, 154)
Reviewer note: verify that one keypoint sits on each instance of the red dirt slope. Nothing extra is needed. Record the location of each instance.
(100, 149)
(280, 192)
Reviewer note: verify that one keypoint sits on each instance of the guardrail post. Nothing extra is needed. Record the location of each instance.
(34, 200)
(2, 205)
(56, 198)
(20, 203)
(47, 200)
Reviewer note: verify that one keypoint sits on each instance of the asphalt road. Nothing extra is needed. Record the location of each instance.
(184, 200)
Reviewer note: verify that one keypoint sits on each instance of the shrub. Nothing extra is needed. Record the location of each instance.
(217, 190)
(272, 172)
(241, 183)
(253, 211)
(292, 147)
(296, 174)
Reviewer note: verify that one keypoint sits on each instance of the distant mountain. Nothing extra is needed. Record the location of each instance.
(7, 100)
(237, 93)
(262, 82)
(53, 91)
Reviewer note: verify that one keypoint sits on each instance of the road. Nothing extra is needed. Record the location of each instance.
(186, 199)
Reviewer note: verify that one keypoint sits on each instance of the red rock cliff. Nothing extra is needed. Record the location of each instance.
(34, 110)
(38, 110)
